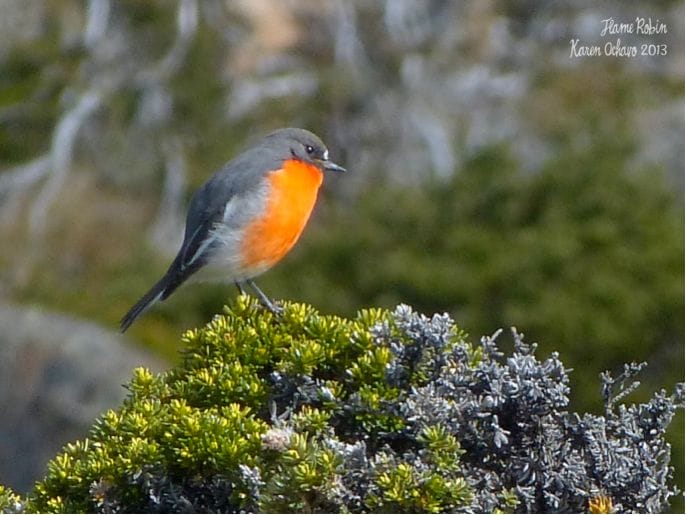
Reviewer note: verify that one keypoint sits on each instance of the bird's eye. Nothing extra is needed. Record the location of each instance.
(309, 149)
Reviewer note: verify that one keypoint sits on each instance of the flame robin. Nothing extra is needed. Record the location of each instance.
(248, 216)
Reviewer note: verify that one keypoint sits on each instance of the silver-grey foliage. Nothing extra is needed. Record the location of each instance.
(511, 416)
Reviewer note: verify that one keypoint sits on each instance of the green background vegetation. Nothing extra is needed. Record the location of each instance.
(584, 252)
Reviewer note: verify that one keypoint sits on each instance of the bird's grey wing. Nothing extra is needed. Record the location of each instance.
(205, 213)
(216, 204)
(217, 199)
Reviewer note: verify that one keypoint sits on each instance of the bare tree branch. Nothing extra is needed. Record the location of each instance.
(98, 20)
(61, 152)
(23, 176)
(165, 233)
(186, 27)
(14, 182)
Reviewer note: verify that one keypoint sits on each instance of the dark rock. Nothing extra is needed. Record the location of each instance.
(57, 373)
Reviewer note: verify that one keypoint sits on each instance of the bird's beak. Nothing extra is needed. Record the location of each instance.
(332, 167)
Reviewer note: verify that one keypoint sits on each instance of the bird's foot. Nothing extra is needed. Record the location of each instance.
(264, 300)
(271, 306)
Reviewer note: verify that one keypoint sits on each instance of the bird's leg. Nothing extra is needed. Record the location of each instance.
(263, 298)
(240, 287)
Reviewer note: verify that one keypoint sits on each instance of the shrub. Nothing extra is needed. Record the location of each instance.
(583, 254)
(389, 411)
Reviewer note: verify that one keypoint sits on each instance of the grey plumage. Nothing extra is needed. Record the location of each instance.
(224, 205)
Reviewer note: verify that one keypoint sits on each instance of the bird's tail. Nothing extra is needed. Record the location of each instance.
(156, 293)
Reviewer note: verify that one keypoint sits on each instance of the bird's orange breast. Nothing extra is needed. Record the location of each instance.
(292, 194)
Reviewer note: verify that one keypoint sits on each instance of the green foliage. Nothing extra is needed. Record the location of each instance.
(9, 501)
(210, 417)
(387, 412)
(403, 489)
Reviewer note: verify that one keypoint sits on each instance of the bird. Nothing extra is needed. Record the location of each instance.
(247, 216)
